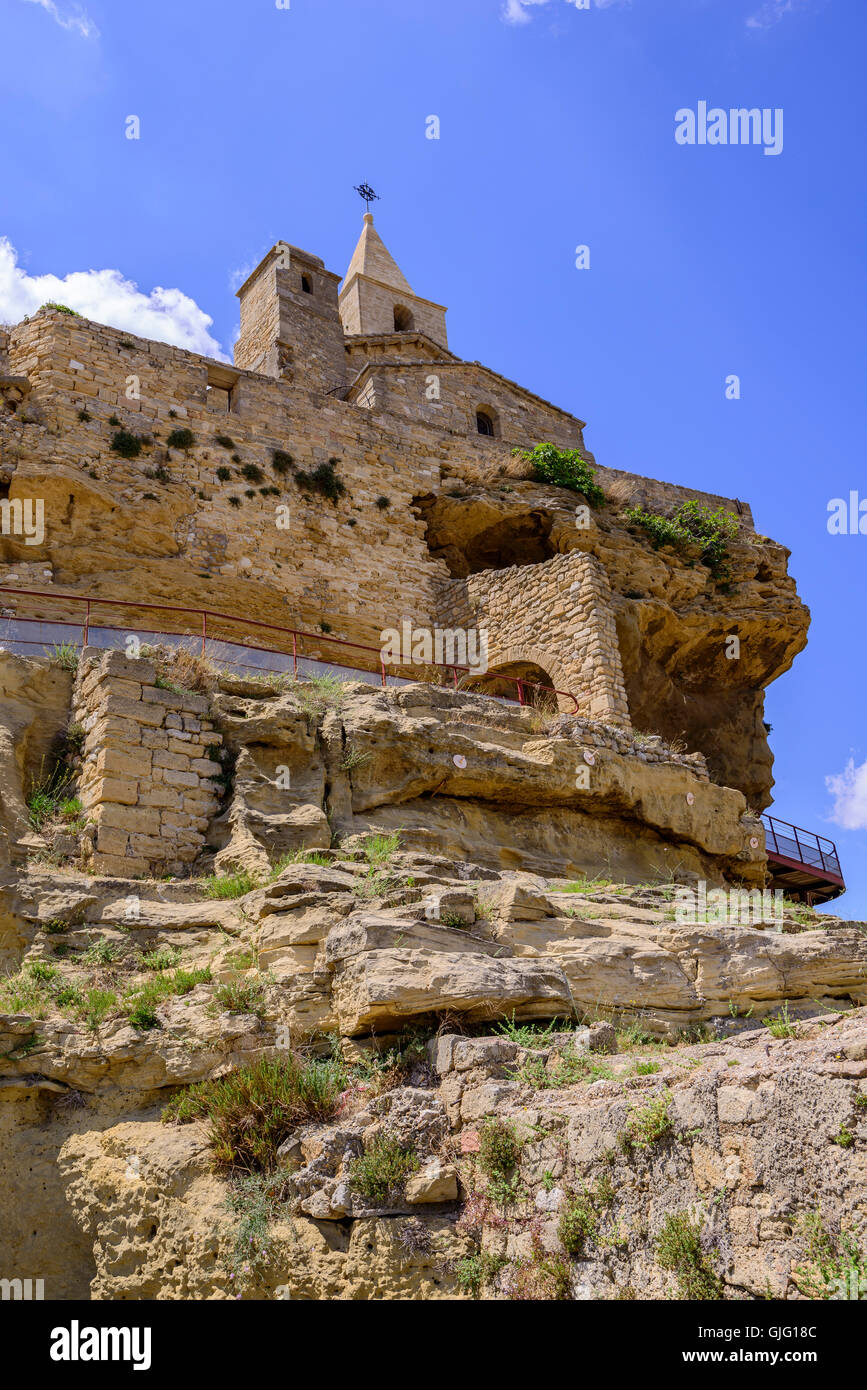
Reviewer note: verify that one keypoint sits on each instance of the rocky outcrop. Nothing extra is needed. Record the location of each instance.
(455, 774)
(751, 1142)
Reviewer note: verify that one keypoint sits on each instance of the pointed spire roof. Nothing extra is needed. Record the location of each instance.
(372, 258)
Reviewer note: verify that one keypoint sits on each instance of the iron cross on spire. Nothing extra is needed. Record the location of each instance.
(365, 191)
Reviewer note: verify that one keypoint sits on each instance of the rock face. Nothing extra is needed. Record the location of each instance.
(394, 865)
(749, 1141)
(456, 775)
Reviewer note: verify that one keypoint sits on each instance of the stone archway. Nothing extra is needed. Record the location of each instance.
(502, 676)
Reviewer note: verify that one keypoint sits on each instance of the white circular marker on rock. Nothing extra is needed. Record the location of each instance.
(459, 760)
(754, 844)
(690, 798)
(589, 757)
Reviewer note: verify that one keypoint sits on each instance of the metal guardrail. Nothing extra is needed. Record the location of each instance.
(300, 659)
(792, 843)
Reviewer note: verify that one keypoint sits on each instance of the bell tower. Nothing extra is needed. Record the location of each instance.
(377, 298)
(290, 320)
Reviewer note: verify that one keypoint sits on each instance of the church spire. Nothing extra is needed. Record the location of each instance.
(376, 299)
(372, 258)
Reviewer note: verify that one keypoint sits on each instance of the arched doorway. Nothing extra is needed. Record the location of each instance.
(536, 685)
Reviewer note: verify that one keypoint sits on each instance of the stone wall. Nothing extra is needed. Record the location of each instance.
(402, 388)
(146, 779)
(578, 645)
(351, 563)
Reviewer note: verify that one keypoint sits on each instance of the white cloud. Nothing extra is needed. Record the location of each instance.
(515, 11)
(849, 789)
(74, 19)
(170, 316)
(770, 12)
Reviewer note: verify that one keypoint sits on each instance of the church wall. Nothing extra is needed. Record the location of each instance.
(410, 390)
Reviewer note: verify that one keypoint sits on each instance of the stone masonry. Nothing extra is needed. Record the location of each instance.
(146, 780)
(578, 647)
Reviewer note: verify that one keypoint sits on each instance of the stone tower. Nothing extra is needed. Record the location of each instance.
(377, 298)
(290, 321)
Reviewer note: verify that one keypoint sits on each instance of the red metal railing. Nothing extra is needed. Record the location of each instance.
(87, 625)
(800, 848)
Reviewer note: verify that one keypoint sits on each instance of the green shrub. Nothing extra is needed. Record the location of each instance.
(323, 480)
(577, 1223)
(281, 462)
(317, 693)
(678, 1248)
(48, 794)
(61, 308)
(298, 856)
(836, 1263)
(181, 439)
(224, 441)
(234, 501)
(143, 1015)
(252, 472)
(472, 1271)
(224, 473)
(499, 1147)
(101, 953)
(255, 1198)
(693, 524)
(564, 468)
(163, 959)
(141, 1004)
(98, 1003)
(780, 1025)
(255, 1108)
(383, 503)
(84, 416)
(65, 655)
(380, 849)
(380, 1172)
(241, 997)
(126, 444)
(233, 885)
(647, 1124)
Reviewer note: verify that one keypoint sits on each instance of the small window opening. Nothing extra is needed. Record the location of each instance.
(403, 321)
(306, 285)
(484, 423)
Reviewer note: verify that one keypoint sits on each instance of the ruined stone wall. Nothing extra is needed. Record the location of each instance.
(577, 646)
(146, 779)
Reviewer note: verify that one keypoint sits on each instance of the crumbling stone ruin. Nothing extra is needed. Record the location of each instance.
(489, 938)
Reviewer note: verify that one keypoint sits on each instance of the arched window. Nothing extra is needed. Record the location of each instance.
(306, 285)
(403, 320)
(485, 422)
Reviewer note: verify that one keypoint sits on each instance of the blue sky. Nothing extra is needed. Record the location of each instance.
(556, 130)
